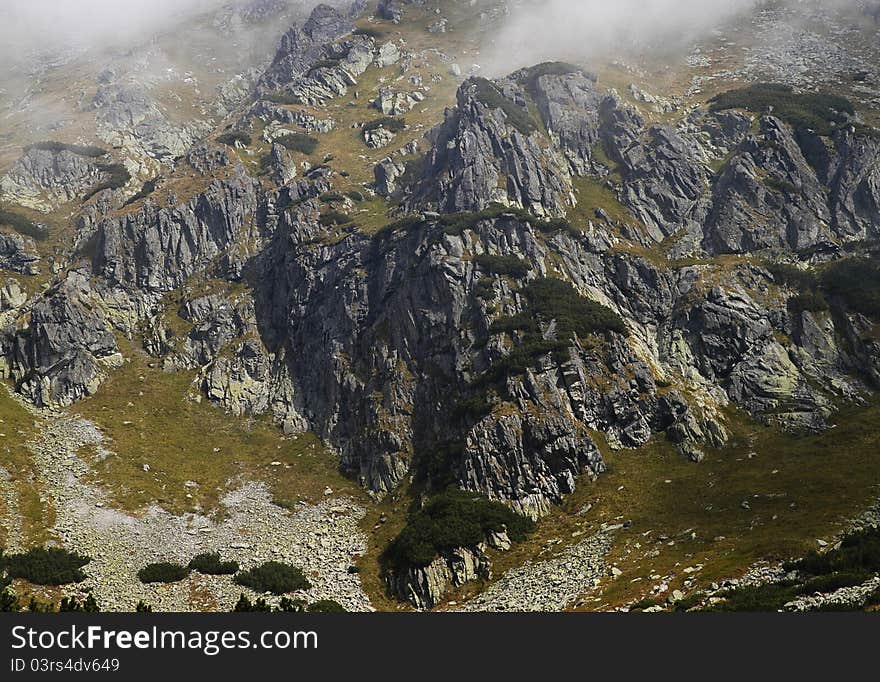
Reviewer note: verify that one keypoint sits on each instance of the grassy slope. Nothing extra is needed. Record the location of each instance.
(36, 512)
(147, 419)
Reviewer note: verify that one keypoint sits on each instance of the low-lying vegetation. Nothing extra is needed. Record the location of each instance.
(489, 95)
(394, 125)
(233, 139)
(851, 283)
(298, 142)
(448, 521)
(118, 177)
(146, 190)
(853, 563)
(23, 225)
(274, 577)
(162, 572)
(822, 113)
(89, 151)
(46, 566)
(209, 563)
(284, 98)
(504, 265)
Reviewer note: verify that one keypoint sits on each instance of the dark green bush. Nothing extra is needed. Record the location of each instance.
(549, 300)
(246, 605)
(821, 113)
(325, 606)
(274, 577)
(552, 299)
(23, 225)
(324, 64)
(834, 581)
(758, 598)
(298, 142)
(450, 520)
(118, 178)
(489, 95)
(209, 563)
(8, 599)
(395, 125)
(73, 605)
(143, 607)
(484, 289)
(369, 32)
(162, 572)
(333, 218)
(533, 73)
(46, 566)
(858, 552)
(855, 282)
(282, 98)
(146, 190)
(230, 139)
(504, 265)
(79, 150)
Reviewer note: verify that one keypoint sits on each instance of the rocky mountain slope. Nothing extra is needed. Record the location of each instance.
(487, 292)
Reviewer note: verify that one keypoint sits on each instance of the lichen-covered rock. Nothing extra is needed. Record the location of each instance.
(424, 587)
(58, 348)
(18, 254)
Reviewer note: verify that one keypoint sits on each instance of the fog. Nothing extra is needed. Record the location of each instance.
(555, 29)
(41, 25)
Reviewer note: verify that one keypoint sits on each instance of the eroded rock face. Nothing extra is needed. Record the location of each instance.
(481, 157)
(424, 587)
(155, 249)
(43, 179)
(57, 350)
(303, 46)
(18, 254)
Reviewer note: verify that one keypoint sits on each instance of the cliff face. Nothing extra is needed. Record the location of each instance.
(510, 320)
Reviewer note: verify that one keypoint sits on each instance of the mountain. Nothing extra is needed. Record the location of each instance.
(581, 334)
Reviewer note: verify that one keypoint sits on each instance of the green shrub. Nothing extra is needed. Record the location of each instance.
(209, 563)
(822, 113)
(450, 520)
(146, 190)
(298, 142)
(489, 95)
(834, 581)
(23, 225)
(230, 139)
(330, 197)
(246, 605)
(549, 300)
(274, 577)
(858, 552)
(758, 598)
(369, 32)
(484, 289)
(333, 218)
(325, 606)
(550, 69)
(324, 64)
(46, 566)
(143, 607)
(73, 605)
(395, 125)
(504, 265)
(119, 177)
(856, 282)
(8, 599)
(283, 98)
(80, 150)
(162, 572)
